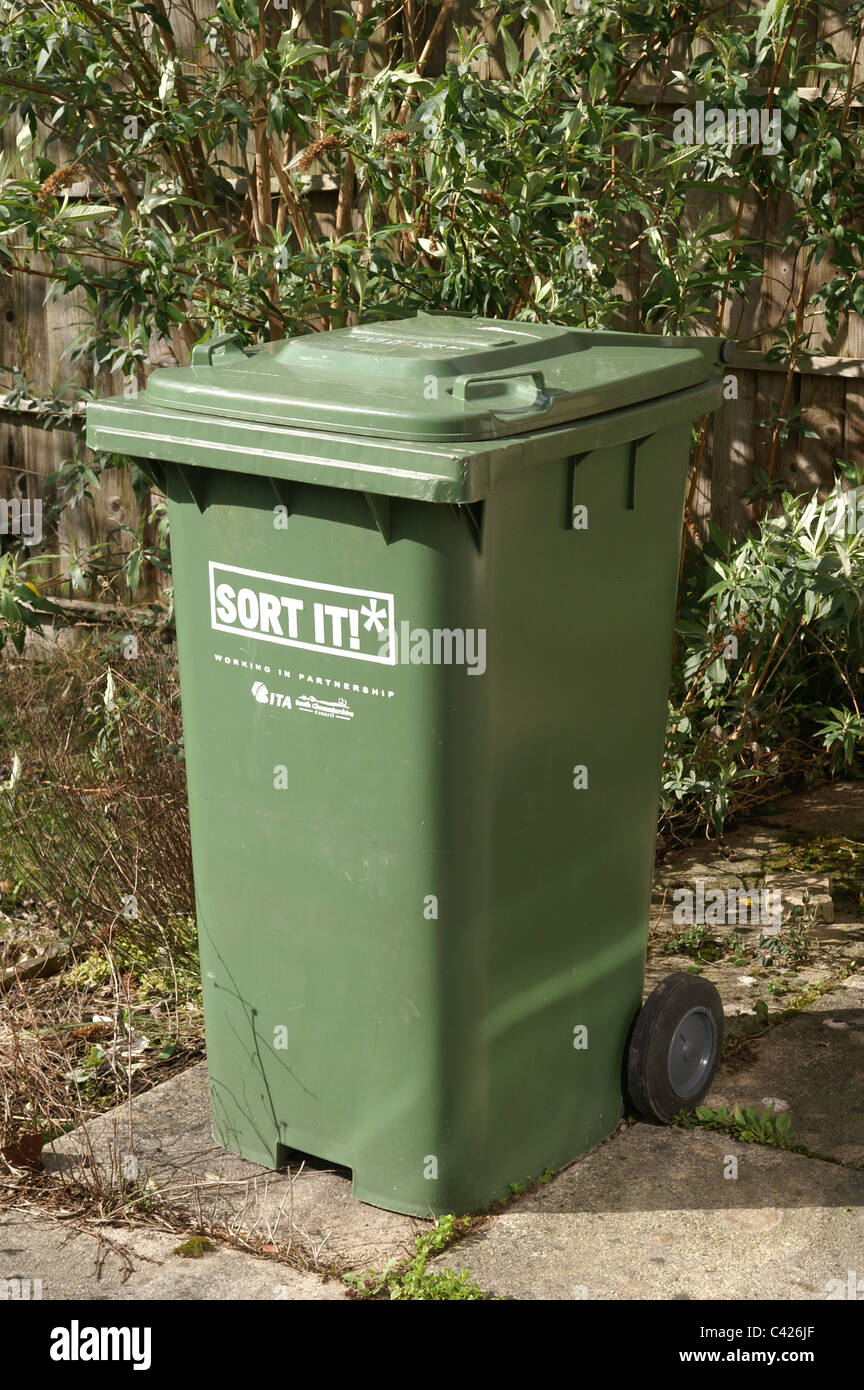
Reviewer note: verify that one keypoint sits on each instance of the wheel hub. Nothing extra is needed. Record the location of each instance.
(691, 1052)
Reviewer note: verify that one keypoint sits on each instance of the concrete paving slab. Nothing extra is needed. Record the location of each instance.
(839, 940)
(742, 984)
(307, 1209)
(738, 986)
(834, 809)
(797, 889)
(811, 1066)
(741, 858)
(654, 1214)
(121, 1264)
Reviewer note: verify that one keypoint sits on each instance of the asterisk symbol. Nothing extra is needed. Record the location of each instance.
(374, 616)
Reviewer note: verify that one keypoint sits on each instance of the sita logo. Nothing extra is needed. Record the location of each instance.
(270, 697)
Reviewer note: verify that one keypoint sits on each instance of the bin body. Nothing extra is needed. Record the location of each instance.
(423, 889)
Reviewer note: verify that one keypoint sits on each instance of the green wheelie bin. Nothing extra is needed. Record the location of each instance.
(425, 576)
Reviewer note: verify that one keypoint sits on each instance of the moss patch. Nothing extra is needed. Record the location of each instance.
(841, 858)
(195, 1247)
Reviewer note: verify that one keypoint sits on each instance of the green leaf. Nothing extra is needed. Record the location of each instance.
(132, 570)
(512, 56)
(167, 81)
(772, 10)
(151, 201)
(84, 212)
(596, 80)
(148, 8)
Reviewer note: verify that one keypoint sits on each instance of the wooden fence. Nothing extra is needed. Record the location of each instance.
(828, 389)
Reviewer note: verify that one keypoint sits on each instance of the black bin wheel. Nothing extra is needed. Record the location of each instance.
(675, 1047)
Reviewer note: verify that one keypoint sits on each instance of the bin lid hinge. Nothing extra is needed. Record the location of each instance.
(380, 508)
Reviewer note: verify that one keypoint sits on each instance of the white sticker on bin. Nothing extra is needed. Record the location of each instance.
(359, 623)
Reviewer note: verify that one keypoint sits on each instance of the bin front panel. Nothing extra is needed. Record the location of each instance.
(423, 894)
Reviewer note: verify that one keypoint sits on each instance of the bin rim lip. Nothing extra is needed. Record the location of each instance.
(443, 471)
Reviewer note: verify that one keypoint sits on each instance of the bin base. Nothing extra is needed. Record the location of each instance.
(375, 1187)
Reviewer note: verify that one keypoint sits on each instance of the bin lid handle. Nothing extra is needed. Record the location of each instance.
(226, 344)
(526, 391)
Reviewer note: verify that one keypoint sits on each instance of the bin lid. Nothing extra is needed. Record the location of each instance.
(433, 377)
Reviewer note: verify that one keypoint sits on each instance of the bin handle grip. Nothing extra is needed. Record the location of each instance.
(226, 344)
(526, 388)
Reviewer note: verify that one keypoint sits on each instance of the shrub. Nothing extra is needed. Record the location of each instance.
(764, 689)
